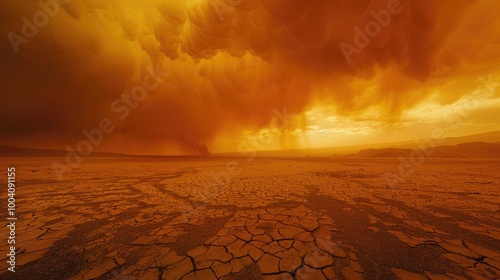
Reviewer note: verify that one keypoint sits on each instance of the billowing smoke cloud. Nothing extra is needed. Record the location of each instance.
(229, 63)
(189, 146)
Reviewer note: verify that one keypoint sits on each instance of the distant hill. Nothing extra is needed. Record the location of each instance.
(389, 152)
(10, 151)
(465, 150)
(478, 145)
(488, 137)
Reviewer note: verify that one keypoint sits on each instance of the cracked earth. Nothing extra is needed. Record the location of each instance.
(309, 218)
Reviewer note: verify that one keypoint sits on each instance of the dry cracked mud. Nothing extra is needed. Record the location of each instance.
(268, 218)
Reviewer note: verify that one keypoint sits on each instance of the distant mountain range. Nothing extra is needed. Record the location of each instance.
(484, 145)
(466, 150)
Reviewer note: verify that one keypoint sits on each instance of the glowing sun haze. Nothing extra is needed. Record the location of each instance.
(233, 64)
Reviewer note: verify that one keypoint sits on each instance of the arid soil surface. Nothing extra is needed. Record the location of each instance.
(262, 218)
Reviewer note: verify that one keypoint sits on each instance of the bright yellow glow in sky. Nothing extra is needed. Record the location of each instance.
(321, 126)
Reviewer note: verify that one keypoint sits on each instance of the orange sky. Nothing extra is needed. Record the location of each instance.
(230, 70)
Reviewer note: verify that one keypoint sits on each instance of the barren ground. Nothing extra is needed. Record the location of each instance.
(308, 218)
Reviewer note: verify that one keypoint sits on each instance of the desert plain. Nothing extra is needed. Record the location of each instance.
(264, 218)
